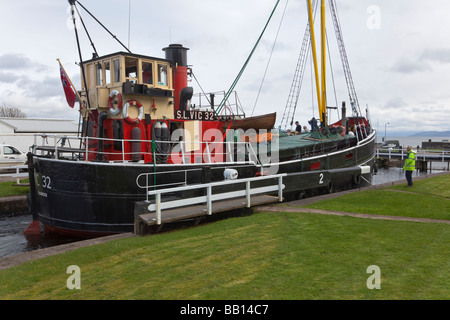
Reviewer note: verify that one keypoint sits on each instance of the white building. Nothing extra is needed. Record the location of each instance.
(19, 132)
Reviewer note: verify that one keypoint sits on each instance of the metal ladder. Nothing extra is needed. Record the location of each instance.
(345, 64)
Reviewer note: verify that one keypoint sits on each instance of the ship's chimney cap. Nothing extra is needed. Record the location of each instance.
(175, 46)
(177, 54)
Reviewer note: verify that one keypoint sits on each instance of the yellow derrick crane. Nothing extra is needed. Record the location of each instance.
(320, 85)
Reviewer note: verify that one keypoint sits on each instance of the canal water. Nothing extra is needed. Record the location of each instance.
(13, 241)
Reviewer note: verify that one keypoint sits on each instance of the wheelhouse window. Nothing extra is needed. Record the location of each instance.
(147, 72)
(131, 69)
(91, 81)
(116, 64)
(107, 67)
(112, 71)
(162, 74)
(99, 74)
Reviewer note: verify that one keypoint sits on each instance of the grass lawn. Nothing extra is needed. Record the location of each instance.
(279, 256)
(7, 189)
(286, 256)
(428, 198)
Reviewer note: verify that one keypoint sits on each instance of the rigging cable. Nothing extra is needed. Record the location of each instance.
(350, 85)
(87, 33)
(348, 76)
(294, 93)
(332, 74)
(88, 114)
(312, 90)
(198, 83)
(72, 4)
(129, 21)
(270, 57)
(227, 95)
(114, 36)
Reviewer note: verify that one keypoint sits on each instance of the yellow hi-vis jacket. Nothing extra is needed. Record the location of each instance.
(410, 162)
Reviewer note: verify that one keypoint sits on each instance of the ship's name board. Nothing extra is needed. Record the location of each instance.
(195, 115)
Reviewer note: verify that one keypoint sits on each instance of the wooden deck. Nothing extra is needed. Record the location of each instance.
(143, 221)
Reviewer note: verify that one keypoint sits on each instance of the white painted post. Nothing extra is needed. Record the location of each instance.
(123, 151)
(250, 148)
(280, 189)
(230, 151)
(146, 187)
(247, 194)
(158, 208)
(17, 173)
(87, 148)
(209, 200)
(182, 151)
(208, 152)
(56, 146)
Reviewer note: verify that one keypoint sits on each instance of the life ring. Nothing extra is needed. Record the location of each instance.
(125, 111)
(113, 94)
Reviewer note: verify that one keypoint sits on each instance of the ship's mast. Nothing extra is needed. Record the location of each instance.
(308, 38)
(323, 112)
(320, 85)
(72, 10)
(314, 53)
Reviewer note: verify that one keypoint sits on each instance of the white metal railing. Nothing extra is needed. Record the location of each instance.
(234, 105)
(185, 152)
(17, 174)
(158, 206)
(152, 176)
(428, 155)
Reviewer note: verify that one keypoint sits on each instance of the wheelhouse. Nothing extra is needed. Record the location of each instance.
(112, 80)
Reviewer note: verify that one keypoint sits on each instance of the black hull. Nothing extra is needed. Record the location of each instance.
(92, 198)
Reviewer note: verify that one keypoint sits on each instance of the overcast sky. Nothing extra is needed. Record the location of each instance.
(398, 50)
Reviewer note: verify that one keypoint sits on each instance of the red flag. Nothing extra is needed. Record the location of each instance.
(68, 90)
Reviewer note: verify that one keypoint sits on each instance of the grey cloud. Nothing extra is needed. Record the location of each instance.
(441, 55)
(15, 68)
(408, 65)
(8, 77)
(395, 103)
(421, 63)
(13, 61)
(48, 87)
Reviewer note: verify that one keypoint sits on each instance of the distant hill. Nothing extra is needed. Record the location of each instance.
(432, 134)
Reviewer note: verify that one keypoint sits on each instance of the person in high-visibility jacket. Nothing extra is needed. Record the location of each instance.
(410, 165)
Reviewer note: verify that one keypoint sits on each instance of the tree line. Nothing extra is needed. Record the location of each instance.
(11, 112)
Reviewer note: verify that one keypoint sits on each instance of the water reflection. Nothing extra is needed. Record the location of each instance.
(396, 174)
(13, 241)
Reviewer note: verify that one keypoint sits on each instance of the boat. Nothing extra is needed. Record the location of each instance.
(140, 131)
(264, 122)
